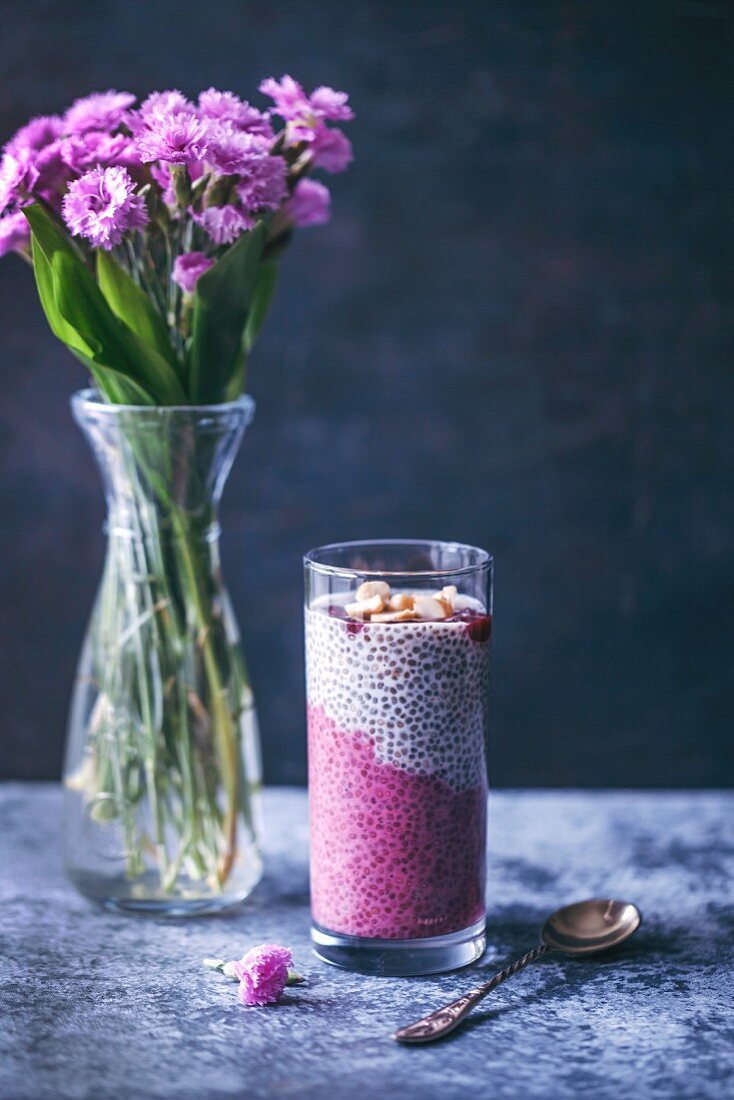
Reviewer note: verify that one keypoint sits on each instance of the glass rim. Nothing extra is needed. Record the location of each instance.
(484, 561)
(90, 398)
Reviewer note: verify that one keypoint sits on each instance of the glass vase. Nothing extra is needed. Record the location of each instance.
(162, 767)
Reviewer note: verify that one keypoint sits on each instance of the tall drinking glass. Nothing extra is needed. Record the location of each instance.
(397, 667)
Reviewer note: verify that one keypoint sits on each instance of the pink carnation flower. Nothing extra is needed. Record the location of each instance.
(287, 94)
(330, 150)
(310, 204)
(264, 187)
(102, 206)
(18, 177)
(100, 150)
(15, 233)
(263, 974)
(188, 268)
(228, 107)
(306, 118)
(100, 111)
(234, 152)
(53, 172)
(157, 105)
(35, 134)
(178, 138)
(292, 103)
(224, 224)
(326, 103)
(52, 165)
(161, 103)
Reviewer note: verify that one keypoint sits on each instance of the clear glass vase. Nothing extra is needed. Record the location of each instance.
(162, 768)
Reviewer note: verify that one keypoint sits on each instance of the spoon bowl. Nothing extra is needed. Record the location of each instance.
(590, 926)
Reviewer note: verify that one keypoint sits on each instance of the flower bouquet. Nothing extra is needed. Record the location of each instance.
(154, 232)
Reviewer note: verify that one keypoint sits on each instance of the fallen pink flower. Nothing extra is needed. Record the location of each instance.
(263, 974)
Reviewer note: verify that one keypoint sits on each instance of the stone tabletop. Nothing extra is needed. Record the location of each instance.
(96, 1004)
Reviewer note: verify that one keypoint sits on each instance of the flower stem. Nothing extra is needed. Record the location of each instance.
(221, 716)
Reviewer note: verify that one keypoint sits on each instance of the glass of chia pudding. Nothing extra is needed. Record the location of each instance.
(397, 671)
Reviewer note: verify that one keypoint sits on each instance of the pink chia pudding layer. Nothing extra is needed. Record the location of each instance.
(397, 774)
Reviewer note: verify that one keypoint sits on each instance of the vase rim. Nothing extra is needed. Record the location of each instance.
(90, 398)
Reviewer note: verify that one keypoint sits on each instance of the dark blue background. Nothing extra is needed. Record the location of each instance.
(516, 331)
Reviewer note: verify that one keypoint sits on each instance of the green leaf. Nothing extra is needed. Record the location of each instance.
(79, 315)
(236, 385)
(51, 237)
(112, 343)
(261, 299)
(116, 387)
(222, 304)
(49, 233)
(45, 285)
(132, 305)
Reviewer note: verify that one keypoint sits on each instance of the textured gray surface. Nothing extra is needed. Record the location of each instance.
(98, 1004)
(517, 330)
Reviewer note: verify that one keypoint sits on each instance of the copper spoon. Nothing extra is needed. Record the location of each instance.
(580, 929)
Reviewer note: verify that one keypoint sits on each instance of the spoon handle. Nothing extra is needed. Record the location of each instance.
(443, 1021)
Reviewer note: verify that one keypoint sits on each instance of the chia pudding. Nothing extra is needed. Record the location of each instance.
(397, 697)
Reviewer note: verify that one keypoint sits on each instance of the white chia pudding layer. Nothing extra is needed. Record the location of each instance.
(418, 690)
